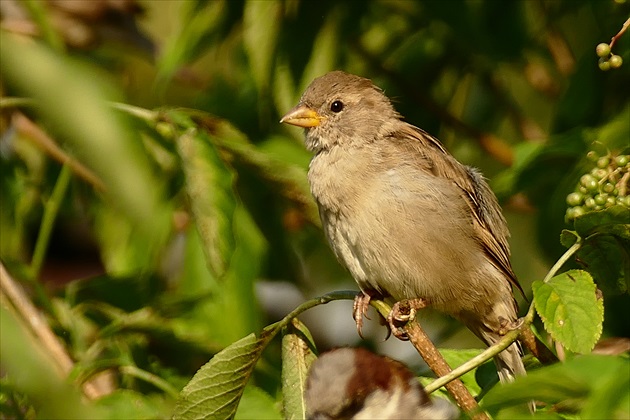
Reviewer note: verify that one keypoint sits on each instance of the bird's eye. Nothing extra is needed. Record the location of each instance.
(336, 106)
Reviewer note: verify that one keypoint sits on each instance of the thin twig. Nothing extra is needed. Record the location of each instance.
(623, 29)
(33, 132)
(478, 360)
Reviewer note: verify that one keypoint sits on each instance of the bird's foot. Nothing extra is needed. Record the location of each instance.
(402, 312)
(359, 310)
(507, 325)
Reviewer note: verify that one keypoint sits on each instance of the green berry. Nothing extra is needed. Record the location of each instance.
(574, 199)
(578, 211)
(610, 201)
(603, 162)
(592, 156)
(599, 173)
(600, 199)
(603, 64)
(602, 50)
(615, 61)
(608, 187)
(621, 160)
(582, 190)
(589, 182)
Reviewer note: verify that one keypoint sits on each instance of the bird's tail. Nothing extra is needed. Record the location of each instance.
(509, 363)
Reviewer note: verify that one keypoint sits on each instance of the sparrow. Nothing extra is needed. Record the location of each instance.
(413, 225)
(354, 383)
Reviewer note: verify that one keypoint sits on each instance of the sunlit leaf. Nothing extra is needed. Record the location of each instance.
(570, 310)
(216, 389)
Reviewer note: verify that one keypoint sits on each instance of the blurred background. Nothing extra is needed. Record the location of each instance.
(155, 211)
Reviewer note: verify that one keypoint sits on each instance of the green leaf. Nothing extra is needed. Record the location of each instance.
(608, 261)
(298, 352)
(284, 88)
(613, 221)
(324, 54)
(216, 389)
(257, 404)
(576, 381)
(72, 100)
(605, 253)
(260, 38)
(610, 400)
(209, 184)
(570, 310)
(198, 22)
(129, 404)
(568, 238)
(457, 357)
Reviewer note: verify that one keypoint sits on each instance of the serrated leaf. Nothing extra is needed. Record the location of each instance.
(608, 263)
(568, 238)
(216, 389)
(298, 352)
(606, 234)
(209, 184)
(570, 310)
(613, 221)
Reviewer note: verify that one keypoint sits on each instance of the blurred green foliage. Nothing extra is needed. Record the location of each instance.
(185, 192)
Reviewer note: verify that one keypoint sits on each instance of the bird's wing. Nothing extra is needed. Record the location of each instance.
(488, 221)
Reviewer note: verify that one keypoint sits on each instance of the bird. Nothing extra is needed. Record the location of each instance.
(412, 224)
(354, 383)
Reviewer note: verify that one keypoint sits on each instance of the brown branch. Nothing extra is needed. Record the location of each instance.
(433, 358)
(40, 329)
(425, 347)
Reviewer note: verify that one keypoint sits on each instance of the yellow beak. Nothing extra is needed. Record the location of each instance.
(302, 116)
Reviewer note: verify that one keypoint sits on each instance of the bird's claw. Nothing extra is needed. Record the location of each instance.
(359, 310)
(402, 312)
(507, 325)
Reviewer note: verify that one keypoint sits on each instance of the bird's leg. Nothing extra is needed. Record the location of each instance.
(402, 312)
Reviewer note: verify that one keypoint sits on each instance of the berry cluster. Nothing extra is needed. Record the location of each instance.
(607, 60)
(604, 186)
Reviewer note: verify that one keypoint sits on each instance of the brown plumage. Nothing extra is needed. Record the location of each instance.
(403, 215)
